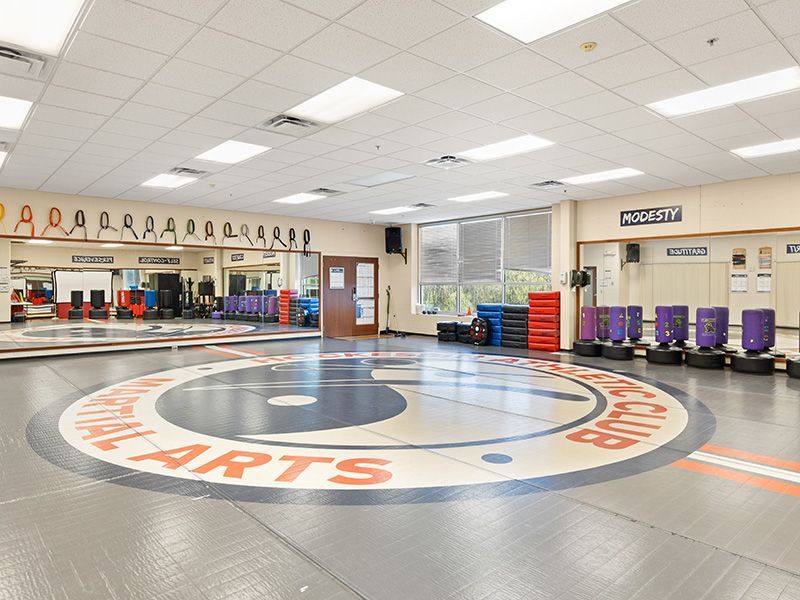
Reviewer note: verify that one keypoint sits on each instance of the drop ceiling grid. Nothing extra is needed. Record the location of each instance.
(109, 119)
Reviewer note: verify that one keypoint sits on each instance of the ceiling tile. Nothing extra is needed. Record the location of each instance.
(500, 108)
(656, 19)
(410, 109)
(269, 22)
(344, 49)
(101, 53)
(151, 114)
(68, 132)
(634, 65)
(66, 116)
(624, 119)
(454, 123)
(783, 16)
(45, 141)
(137, 25)
(228, 53)
(340, 136)
(465, 46)
(458, 91)
(190, 76)
(371, 124)
(661, 86)
(119, 141)
(421, 18)
(610, 36)
(212, 127)
(413, 136)
(732, 34)
(594, 105)
(571, 132)
(68, 98)
(264, 96)
(772, 104)
(538, 120)
(171, 98)
(559, 89)
(86, 79)
(330, 9)
(192, 10)
(407, 73)
(516, 70)
(233, 112)
(747, 63)
(468, 8)
(292, 73)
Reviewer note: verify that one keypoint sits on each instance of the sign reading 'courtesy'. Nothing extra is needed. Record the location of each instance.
(695, 251)
(651, 216)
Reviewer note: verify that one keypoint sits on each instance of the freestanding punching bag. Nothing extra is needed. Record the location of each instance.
(680, 325)
(617, 348)
(662, 352)
(635, 323)
(753, 359)
(706, 356)
(76, 302)
(769, 333)
(793, 367)
(587, 345)
(603, 316)
(723, 318)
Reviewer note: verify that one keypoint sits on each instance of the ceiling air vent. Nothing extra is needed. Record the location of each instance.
(447, 162)
(287, 125)
(186, 171)
(21, 64)
(546, 185)
(326, 192)
(422, 205)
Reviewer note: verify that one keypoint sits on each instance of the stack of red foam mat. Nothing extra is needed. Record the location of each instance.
(284, 302)
(544, 321)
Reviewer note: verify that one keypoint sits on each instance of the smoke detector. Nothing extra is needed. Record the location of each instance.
(447, 162)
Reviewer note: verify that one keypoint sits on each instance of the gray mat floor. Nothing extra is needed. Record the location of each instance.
(682, 529)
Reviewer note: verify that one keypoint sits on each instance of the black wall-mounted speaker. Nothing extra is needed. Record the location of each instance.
(632, 253)
(394, 240)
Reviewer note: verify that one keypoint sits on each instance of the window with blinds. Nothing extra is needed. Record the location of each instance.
(438, 253)
(497, 259)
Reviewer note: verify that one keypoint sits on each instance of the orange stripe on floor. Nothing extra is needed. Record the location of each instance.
(789, 465)
(764, 483)
(217, 352)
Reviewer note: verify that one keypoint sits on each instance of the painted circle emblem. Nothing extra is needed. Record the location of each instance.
(82, 333)
(372, 427)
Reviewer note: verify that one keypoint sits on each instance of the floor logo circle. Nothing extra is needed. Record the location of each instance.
(84, 332)
(371, 427)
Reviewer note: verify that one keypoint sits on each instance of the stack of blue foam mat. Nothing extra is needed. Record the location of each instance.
(310, 304)
(309, 308)
(493, 314)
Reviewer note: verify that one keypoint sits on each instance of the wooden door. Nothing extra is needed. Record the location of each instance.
(350, 296)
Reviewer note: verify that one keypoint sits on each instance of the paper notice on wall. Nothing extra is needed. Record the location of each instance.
(764, 283)
(738, 283)
(739, 259)
(765, 258)
(365, 280)
(365, 311)
(5, 280)
(336, 278)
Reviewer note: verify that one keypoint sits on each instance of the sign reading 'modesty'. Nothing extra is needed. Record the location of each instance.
(651, 216)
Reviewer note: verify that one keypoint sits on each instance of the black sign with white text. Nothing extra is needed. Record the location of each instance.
(237, 257)
(208, 260)
(159, 260)
(93, 260)
(695, 251)
(651, 216)
(792, 248)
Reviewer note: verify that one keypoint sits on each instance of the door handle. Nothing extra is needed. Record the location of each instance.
(355, 296)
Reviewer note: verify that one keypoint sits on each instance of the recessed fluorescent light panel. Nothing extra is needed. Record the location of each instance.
(530, 20)
(167, 180)
(40, 242)
(3, 158)
(381, 179)
(174, 248)
(480, 196)
(112, 245)
(344, 100)
(38, 25)
(602, 176)
(395, 211)
(13, 112)
(232, 152)
(299, 198)
(517, 145)
(781, 147)
(744, 90)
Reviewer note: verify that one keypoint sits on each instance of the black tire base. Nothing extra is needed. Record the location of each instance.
(705, 358)
(587, 347)
(618, 351)
(726, 349)
(125, 314)
(756, 363)
(75, 313)
(793, 367)
(98, 313)
(663, 354)
(167, 313)
(150, 314)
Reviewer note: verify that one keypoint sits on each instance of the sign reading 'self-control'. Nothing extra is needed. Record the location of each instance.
(651, 216)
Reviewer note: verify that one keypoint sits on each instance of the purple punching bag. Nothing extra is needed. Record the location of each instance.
(723, 318)
(587, 345)
(617, 348)
(603, 316)
(769, 332)
(753, 360)
(662, 352)
(635, 323)
(706, 356)
(680, 324)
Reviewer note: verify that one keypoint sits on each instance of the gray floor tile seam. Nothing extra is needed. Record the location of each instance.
(284, 539)
(62, 490)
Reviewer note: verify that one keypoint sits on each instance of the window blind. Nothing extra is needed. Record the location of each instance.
(480, 247)
(438, 253)
(527, 243)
